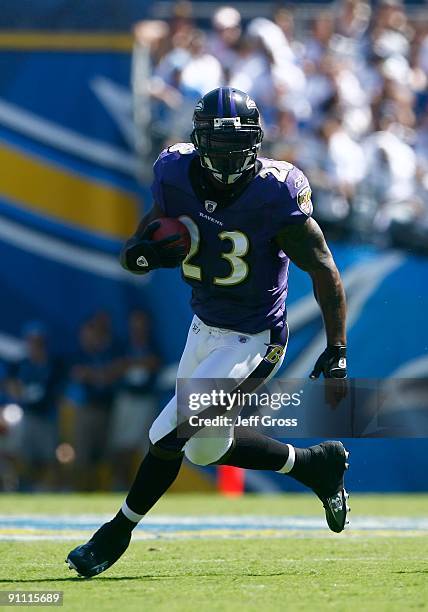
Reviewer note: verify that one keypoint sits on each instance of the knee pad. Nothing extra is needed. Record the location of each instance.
(204, 451)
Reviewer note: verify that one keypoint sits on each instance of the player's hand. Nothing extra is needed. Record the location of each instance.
(332, 364)
(143, 254)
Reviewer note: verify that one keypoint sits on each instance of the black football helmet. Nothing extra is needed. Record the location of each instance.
(227, 133)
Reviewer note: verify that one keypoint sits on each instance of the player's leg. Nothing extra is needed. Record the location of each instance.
(156, 473)
(162, 463)
(320, 467)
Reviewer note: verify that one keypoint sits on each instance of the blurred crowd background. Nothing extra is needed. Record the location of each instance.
(342, 91)
(78, 421)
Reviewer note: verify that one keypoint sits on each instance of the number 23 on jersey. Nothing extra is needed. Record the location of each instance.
(238, 266)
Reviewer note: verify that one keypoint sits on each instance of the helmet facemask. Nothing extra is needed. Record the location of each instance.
(227, 149)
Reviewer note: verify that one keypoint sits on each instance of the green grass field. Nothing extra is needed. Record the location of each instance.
(301, 571)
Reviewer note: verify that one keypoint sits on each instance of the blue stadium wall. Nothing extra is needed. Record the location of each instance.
(68, 197)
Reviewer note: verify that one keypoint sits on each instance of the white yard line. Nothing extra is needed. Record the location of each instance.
(75, 527)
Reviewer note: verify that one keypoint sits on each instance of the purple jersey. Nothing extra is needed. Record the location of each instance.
(237, 272)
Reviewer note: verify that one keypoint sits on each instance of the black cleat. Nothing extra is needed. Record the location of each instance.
(105, 547)
(325, 476)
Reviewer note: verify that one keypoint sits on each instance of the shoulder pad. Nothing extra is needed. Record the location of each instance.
(290, 191)
(174, 153)
(184, 148)
(278, 170)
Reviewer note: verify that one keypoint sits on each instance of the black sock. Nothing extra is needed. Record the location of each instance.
(255, 451)
(157, 472)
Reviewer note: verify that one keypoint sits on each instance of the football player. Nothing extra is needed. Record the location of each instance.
(247, 217)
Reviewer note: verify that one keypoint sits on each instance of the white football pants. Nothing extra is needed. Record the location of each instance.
(211, 352)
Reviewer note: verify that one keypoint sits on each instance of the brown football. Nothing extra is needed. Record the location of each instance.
(170, 226)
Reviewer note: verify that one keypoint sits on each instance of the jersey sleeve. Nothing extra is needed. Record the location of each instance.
(167, 169)
(294, 203)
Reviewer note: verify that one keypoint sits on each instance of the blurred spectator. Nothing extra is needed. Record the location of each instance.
(252, 70)
(319, 40)
(391, 164)
(182, 20)
(336, 166)
(390, 31)
(135, 406)
(94, 376)
(353, 18)
(10, 436)
(392, 178)
(202, 72)
(224, 38)
(35, 383)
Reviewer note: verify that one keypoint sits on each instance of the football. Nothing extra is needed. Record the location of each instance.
(170, 226)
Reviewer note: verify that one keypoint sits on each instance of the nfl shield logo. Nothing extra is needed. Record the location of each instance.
(210, 206)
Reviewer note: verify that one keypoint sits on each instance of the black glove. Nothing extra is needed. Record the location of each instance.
(331, 363)
(142, 254)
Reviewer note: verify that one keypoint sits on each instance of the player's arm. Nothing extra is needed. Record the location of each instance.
(141, 254)
(306, 247)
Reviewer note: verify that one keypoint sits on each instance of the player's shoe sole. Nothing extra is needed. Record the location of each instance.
(336, 510)
(324, 474)
(101, 552)
(334, 496)
(83, 571)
